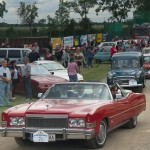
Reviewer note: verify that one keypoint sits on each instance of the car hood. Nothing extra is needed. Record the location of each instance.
(47, 78)
(124, 72)
(58, 107)
(64, 74)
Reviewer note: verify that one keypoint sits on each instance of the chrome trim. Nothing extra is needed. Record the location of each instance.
(46, 116)
(137, 85)
(127, 110)
(67, 133)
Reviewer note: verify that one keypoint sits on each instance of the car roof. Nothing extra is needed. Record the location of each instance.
(15, 48)
(45, 61)
(127, 54)
(146, 48)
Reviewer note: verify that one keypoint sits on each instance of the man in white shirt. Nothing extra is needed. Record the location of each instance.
(5, 78)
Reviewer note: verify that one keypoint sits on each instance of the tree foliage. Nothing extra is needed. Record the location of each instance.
(27, 13)
(118, 8)
(142, 5)
(2, 9)
(82, 7)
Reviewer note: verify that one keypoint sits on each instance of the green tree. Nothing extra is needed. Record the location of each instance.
(82, 7)
(142, 5)
(118, 8)
(2, 9)
(27, 14)
(42, 22)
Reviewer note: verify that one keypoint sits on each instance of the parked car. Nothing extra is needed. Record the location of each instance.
(56, 69)
(103, 54)
(41, 80)
(127, 70)
(61, 114)
(146, 50)
(147, 65)
(14, 54)
(102, 44)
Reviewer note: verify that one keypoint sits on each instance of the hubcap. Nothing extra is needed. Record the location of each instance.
(102, 133)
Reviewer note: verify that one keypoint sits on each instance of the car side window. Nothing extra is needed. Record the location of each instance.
(14, 54)
(3, 53)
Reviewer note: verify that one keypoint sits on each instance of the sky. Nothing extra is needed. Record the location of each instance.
(47, 7)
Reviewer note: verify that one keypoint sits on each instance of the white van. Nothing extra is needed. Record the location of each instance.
(14, 54)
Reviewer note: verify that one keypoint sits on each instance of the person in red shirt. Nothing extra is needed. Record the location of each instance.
(113, 50)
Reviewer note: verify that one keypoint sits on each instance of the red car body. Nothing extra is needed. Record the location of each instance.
(72, 118)
(40, 80)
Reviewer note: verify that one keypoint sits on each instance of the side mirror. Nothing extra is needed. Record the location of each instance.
(118, 96)
(52, 73)
(40, 95)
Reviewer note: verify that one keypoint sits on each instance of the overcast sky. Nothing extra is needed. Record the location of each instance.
(46, 7)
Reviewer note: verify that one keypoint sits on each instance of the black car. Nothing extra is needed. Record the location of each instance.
(127, 70)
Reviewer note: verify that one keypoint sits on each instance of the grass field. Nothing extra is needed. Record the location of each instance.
(97, 73)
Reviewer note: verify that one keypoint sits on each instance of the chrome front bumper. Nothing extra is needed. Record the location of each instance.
(137, 85)
(66, 133)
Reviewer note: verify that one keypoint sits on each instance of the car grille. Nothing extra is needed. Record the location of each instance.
(47, 121)
(122, 80)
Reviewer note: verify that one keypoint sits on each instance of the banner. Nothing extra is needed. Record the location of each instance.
(83, 39)
(76, 41)
(68, 41)
(91, 37)
(56, 41)
(99, 37)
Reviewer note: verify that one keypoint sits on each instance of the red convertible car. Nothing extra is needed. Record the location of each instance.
(84, 111)
(41, 79)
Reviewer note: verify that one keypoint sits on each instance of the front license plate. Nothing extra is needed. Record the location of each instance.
(40, 136)
(132, 82)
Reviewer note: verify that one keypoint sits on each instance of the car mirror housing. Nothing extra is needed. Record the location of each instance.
(40, 95)
(118, 96)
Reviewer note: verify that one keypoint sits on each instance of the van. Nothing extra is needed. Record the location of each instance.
(14, 54)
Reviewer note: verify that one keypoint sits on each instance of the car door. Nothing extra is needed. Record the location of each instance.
(120, 109)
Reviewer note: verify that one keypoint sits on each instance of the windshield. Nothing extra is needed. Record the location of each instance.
(147, 59)
(53, 66)
(39, 70)
(78, 91)
(125, 63)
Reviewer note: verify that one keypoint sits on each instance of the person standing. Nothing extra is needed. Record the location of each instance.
(113, 50)
(66, 56)
(5, 78)
(48, 55)
(72, 70)
(33, 56)
(14, 76)
(79, 58)
(36, 47)
(26, 77)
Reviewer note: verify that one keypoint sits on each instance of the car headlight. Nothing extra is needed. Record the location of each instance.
(77, 122)
(17, 121)
(138, 75)
(109, 76)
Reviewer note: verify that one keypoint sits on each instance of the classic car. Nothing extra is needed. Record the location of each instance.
(103, 54)
(127, 70)
(146, 50)
(103, 44)
(56, 69)
(83, 110)
(41, 79)
(147, 65)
